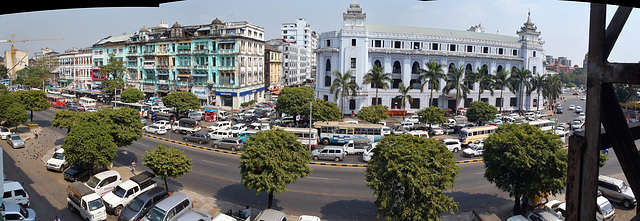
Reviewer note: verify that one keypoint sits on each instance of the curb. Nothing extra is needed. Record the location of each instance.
(312, 163)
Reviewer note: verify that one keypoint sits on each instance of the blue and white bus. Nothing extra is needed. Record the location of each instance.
(340, 133)
(245, 135)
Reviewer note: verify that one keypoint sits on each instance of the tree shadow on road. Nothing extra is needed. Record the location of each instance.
(481, 203)
(240, 195)
(350, 210)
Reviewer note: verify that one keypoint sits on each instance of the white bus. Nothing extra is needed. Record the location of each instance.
(87, 102)
(142, 109)
(544, 125)
(303, 135)
(69, 97)
(53, 93)
(341, 133)
(469, 135)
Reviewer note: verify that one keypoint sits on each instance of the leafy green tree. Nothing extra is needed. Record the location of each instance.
(501, 80)
(378, 78)
(408, 176)
(167, 162)
(374, 114)
(294, 100)
(181, 100)
(323, 110)
(33, 100)
(123, 124)
(131, 95)
(525, 162)
(90, 143)
(6, 101)
(271, 160)
(432, 115)
(537, 84)
(15, 114)
(114, 72)
(485, 80)
(552, 88)
(431, 76)
(3, 72)
(33, 77)
(65, 119)
(404, 96)
(343, 87)
(455, 81)
(480, 111)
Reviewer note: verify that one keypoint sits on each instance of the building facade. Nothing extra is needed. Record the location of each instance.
(402, 51)
(301, 33)
(74, 69)
(222, 63)
(272, 67)
(295, 62)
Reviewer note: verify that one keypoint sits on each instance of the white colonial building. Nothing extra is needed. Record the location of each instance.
(400, 50)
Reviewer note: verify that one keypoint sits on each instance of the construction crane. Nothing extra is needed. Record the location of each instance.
(11, 70)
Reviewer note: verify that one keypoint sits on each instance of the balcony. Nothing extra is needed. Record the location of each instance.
(226, 68)
(226, 51)
(205, 51)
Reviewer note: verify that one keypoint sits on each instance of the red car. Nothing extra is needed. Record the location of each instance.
(576, 93)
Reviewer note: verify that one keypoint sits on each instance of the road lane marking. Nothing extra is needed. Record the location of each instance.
(321, 178)
(211, 162)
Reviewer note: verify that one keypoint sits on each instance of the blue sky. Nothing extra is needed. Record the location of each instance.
(564, 24)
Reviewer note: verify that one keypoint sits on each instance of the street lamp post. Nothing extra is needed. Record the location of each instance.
(310, 116)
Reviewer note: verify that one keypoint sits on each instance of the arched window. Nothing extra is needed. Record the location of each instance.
(499, 68)
(397, 69)
(328, 65)
(468, 67)
(485, 67)
(415, 68)
(377, 63)
(451, 67)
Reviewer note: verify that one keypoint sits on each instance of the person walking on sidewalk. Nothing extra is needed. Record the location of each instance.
(133, 166)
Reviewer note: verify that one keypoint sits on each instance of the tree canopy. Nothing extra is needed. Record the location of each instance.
(122, 124)
(525, 162)
(33, 100)
(131, 95)
(271, 160)
(113, 71)
(295, 100)
(167, 162)
(324, 110)
(15, 114)
(181, 100)
(373, 114)
(432, 115)
(408, 176)
(90, 143)
(65, 119)
(480, 111)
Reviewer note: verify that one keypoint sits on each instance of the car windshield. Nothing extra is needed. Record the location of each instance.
(93, 182)
(15, 138)
(24, 212)
(95, 204)
(136, 205)
(58, 156)
(118, 191)
(156, 214)
(607, 208)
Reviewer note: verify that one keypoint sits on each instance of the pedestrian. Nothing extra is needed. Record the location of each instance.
(35, 133)
(133, 166)
(57, 219)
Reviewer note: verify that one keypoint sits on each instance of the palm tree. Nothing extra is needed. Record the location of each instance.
(485, 80)
(378, 78)
(537, 84)
(404, 95)
(343, 87)
(455, 81)
(520, 80)
(552, 87)
(501, 80)
(431, 76)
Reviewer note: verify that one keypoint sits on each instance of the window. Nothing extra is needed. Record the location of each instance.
(535, 102)
(397, 44)
(327, 81)
(353, 42)
(498, 102)
(416, 45)
(452, 47)
(328, 43)
(469, 48)
(485, 50)
(500, 51)
(515, 52)
(415, 104)
(534, 54)
(377, 43)
(434, 46)
(353, 62)
(513, 102)
(434, 102)
(7, 195)
(325, 97)
(352, 104)
(467, 102)
(373, 101)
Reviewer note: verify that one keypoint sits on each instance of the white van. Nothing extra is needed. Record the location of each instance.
(223, 115)
(14, 193)
(220, 125)
(196, 115)
(104, 182)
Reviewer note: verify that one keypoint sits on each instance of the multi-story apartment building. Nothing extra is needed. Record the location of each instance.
(222, 63)
(74, 69)
(272, 67)
(294, 61)
(300, 32)
(402, 51)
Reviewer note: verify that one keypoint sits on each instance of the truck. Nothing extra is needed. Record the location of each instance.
(125, 192)
(186, 126)
(86, 202)
(355, 148)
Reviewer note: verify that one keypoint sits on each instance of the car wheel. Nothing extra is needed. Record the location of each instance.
(315, 157)
(117, 210)
(455, 150)
(156, 132)
(233, 149)
(627, 203)
(326, 141)
(200, 142)
(185, 139)
(215, 146)
(337, 159)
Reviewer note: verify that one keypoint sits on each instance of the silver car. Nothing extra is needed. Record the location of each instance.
(616, 190)
(329, 153)
(15, 141)
(18, 212)
(231, 143)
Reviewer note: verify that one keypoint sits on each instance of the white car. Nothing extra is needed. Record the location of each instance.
(419, 133)
(368, 153)
(155, 129)
(572, 107)
(165, 123)
(413, 119)
(220, 125)
(57, 161)
(4, 132)
(91, 109)
(453, 145)
(474, 149)
(236, 129)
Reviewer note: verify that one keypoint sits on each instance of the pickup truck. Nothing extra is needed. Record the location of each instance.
(84, 200)
(128, 190)
(355, 148)
(186, 126)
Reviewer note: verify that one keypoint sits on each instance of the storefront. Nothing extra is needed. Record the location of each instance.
(203, 94)
(233, 98)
